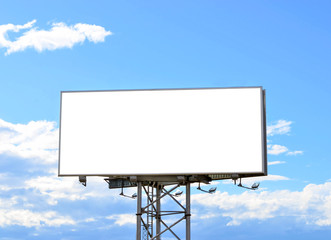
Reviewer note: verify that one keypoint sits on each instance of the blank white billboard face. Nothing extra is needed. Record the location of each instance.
(150, 132)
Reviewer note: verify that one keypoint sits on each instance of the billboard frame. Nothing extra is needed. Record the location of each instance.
(173, 177)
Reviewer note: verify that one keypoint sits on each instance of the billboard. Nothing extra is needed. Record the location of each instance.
(163, 132)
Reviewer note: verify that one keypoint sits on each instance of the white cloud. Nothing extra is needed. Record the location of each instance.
(276, 149)
(27, 218)
(312, 205)
(270, 177)
(20, 209)
(59, 36)
(4, 187)
(7, 203)
(207, 215)
(90, 220)
(275, 163)
(4, 42)
(37, 140)
(56, 188)
(294, 153)
(68, 188)
(11, 214)
(280, 127)
(123, 219)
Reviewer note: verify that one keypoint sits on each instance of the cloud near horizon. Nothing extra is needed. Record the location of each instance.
(311, 205)
(59, 36)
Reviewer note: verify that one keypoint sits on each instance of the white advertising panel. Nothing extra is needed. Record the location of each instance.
(163, 132)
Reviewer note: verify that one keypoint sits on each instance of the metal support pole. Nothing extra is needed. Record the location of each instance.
(188, 211)
(152, 213)
(139, 198)
(158, 211)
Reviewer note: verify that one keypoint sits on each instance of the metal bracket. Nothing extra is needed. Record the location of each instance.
(254, 187)
(82, 180)
(211, 190)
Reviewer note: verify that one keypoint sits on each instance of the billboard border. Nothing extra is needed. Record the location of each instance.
(264, 171)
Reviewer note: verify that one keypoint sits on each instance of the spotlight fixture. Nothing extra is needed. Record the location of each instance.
(211, 190)
(177, 193)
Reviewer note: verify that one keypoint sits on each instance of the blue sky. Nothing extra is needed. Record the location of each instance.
(52, 46)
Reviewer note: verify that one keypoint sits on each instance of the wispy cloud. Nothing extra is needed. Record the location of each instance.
(58, 36)
(280, 127)
(276, 149)
(276, 162)
(294, 153)
(270, 177)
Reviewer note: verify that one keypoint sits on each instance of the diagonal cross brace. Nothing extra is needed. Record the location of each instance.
(168, 228)
(163, 195)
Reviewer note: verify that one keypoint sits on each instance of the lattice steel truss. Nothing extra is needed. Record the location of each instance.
(150, 217)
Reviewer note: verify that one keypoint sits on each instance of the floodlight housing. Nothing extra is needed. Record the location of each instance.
(177, 193)
(212, 190)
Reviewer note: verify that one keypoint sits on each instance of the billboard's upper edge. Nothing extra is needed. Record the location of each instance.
(159, 89)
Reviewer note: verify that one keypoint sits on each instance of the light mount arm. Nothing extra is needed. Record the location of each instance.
(133, 196)
(254, 187)
(211, 190)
